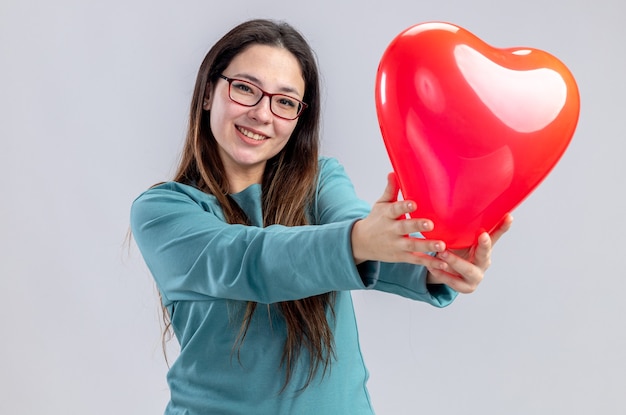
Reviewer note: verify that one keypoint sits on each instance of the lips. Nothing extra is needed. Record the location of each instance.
(251, 135)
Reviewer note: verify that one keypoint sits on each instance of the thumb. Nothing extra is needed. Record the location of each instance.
(391, 191)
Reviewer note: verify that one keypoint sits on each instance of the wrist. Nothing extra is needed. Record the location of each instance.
(356, 245)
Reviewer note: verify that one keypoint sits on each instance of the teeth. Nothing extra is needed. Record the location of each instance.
(252, 135)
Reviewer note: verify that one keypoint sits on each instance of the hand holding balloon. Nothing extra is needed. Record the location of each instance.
(466, 267)
(470, 129)
(382, 236)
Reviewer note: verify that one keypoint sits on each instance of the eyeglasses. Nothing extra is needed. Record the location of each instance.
(247, 94)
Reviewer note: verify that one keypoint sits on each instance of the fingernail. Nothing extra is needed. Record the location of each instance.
(426, 226)
(409, 206)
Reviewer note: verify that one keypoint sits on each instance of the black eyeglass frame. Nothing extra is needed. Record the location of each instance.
(302, 107)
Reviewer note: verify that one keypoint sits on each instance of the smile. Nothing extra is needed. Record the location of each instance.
(250, 134)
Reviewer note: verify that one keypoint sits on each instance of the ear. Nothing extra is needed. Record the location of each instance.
(206, 101)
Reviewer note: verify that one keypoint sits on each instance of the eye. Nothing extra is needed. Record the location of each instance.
(243, 87)
(286, 102)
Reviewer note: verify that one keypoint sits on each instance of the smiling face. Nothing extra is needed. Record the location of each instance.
(249, 136)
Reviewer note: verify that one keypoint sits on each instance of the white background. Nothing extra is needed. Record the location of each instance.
(93, 104)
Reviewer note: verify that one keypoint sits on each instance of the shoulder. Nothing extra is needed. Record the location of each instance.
(332, 173)
(327, 163)
(175, 190)
(172, 196)
(331, 169)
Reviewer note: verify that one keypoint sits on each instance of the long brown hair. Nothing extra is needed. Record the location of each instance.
(294, 168)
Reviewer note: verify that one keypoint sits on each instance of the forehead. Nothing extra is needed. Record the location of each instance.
(271, 67)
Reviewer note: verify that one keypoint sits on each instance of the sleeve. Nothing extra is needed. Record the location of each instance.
(193, 254)
(337, 201)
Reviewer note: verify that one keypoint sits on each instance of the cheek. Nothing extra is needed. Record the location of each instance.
(217, 118)
(220, 108)
(214, 125)
(287, 130)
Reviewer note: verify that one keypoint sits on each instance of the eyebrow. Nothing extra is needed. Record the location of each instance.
(255, 80)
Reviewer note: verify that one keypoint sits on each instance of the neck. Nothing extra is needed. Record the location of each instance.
(242, 179)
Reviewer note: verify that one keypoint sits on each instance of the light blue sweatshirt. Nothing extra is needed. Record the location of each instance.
(206, 270)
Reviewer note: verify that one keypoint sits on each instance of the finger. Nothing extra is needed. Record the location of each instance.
(428, 261)
(409, 226)
(399, 210)
(415, 245)
(502, 228)
(460, 267)
(455, 282)
(482, 253)
(391, 191)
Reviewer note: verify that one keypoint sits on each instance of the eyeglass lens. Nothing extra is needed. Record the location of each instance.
(249, 94)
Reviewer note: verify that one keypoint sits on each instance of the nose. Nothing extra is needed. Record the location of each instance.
(261, 111)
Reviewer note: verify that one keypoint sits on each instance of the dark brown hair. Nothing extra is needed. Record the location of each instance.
(294, 168)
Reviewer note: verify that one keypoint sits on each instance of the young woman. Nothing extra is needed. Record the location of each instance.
(257, 242)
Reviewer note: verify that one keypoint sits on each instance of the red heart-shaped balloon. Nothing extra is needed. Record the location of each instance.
(471, 129)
